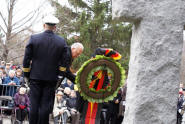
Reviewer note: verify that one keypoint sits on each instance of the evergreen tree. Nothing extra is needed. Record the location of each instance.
(66, 17)
(93, 22)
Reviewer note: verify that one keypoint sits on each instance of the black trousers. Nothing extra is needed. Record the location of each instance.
(112, 113)
(179, 118)
(21, 114)
(42, 95)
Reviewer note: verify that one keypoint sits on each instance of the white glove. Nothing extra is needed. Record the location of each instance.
(180, 110)
(26, 81)
(60, 77)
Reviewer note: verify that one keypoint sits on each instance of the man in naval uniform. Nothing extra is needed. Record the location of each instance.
(44, 59)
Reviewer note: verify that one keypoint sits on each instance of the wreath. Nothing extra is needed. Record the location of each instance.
(99, 79)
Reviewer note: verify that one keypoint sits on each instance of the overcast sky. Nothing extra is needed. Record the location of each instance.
(46, 9)
(25, 6)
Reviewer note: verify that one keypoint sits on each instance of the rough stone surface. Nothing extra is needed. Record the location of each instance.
(156, 49)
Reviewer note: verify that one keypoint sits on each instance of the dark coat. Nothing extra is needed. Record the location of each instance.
(10, 90)
(21, 99)
(67, 85)
(72, 102)
(180, 102)
(9, 79)
(67, 63)
(43, 55)
(123, 95)
(114, 107)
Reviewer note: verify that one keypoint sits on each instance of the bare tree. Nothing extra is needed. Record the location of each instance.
(12, 30)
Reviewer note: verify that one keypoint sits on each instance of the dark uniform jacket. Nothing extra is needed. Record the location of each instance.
(67, 64)
(44, 54)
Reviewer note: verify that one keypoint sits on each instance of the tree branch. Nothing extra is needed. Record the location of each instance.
(18, 43)
(25, 17)
(24, 22)
(23, 29)
(3, 29)
(19, 32)
(3, 20)
(17, 57)
(1, 58)
(8, 5)
(1, 42)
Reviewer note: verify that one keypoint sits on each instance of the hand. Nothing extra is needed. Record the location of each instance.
(74, 110)
(117, 101)
(12, 83)
(61, 89)
(60, 77)
(61, 112)
(181, 111)
(59, 81)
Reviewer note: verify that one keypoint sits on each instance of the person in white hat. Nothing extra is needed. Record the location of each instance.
(41, 66)
(50, 22)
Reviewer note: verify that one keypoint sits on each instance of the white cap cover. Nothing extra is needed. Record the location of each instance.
(50, 19)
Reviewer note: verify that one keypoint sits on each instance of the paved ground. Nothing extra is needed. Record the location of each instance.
(7, 120)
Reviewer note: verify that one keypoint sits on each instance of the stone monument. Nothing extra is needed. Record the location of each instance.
(156, 49)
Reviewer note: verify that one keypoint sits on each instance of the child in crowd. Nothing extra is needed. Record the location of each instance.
(21, 103)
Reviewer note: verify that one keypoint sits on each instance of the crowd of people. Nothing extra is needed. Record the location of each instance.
(42, 68)
(47, 60)
(12, 84)
(67, 104)
(10, 74)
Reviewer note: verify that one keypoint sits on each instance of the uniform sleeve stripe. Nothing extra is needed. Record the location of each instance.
(26, 69)
(62, 68)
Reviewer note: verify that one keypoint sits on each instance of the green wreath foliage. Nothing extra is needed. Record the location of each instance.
(86, 96)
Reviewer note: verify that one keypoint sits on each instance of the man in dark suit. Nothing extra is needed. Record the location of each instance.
(72, 52)
(45, 58)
